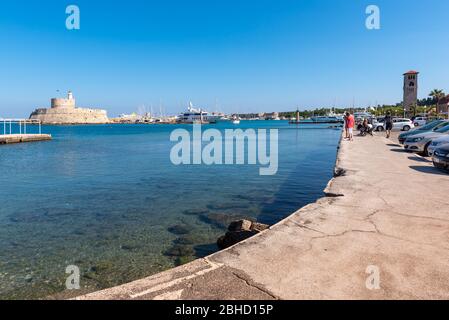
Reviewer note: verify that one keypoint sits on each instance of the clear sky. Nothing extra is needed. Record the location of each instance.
(244, 56)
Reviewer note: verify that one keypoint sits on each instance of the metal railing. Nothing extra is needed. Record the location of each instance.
(10, 124)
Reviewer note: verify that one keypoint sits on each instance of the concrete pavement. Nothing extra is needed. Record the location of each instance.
(392, 215)
(19, 138)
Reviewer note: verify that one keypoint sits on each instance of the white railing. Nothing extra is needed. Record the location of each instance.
(8, 124)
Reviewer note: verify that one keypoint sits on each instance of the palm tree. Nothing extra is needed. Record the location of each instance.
(414, 109)
(437, 94)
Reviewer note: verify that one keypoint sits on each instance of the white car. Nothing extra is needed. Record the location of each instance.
(401, 124)
(420, 121)
(378, 126)
(437, 143)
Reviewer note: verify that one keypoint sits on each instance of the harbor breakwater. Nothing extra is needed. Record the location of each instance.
(332, 249)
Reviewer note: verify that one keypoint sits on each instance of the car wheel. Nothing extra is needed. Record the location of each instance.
(406, 128)
(380, 129)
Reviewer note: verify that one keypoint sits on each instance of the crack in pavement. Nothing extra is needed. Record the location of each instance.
(254, 286)
(369, 219)
(302, 226)
(418, 216)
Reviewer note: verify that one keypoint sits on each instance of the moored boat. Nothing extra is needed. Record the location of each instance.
(199, 116)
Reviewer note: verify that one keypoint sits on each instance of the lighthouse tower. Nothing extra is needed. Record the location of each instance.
(410, 90)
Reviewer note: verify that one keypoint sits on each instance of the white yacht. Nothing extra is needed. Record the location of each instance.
(194, 116)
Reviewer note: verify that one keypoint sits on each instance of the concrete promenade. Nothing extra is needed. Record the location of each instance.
(392, 213)
(19, 138)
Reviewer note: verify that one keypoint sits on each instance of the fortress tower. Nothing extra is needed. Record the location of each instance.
(410, 90)
(64, 103)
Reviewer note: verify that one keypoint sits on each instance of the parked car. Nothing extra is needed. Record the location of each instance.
(379, 125)
(420, 121)
(441, 157)
(436, 143)
(432, 126)
(421, 142)
(401, 124)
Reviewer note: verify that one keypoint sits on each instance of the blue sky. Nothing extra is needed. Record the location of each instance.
(248, 56)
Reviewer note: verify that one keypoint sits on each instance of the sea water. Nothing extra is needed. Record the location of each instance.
(108, 200)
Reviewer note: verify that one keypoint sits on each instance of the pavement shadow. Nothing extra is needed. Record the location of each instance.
(430, 170)
(394, 145)
(400, 150)
(420, 159)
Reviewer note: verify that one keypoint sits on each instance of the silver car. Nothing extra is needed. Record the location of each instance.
(437, 143)
(399, 124)
(403, 124)
(420, 142)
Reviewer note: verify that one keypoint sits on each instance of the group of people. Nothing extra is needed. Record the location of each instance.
(365, 127)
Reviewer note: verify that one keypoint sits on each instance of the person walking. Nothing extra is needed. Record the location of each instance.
(388, 124)
(351, 123)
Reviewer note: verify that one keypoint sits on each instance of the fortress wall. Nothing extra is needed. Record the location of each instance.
(68, 115)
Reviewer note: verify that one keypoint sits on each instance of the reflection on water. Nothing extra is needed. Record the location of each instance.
(107, 199)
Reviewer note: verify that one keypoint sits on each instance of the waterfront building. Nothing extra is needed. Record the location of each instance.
(272, 116)
(65, 111)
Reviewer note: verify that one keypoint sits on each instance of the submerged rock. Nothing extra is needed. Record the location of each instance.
(183, 260)
(254, 197)
(204, 250)
(198, 212)
(227, 206)
(219, 220)
(239, 231)
(98, 270)
(179, 229)
(180, 251)
(128, 247)
(189, 239)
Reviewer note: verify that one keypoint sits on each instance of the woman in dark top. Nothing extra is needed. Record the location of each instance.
(388, 124)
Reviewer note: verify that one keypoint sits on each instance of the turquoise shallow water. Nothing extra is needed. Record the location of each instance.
(108, 200)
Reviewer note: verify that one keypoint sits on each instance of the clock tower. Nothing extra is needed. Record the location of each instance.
(410, 90)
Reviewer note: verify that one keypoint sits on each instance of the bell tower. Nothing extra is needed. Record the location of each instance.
(410, 90)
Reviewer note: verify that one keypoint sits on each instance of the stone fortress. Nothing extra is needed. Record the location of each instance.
(64, 111)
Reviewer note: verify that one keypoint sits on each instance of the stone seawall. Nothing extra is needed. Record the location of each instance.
(62, 115)
(376, 216)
